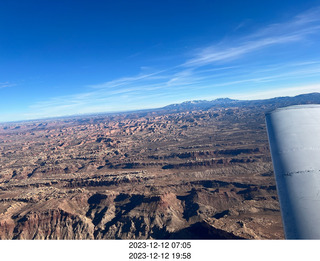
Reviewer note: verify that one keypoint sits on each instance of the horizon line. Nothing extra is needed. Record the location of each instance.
(141, 110)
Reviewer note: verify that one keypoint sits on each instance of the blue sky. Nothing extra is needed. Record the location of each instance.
(72, 57)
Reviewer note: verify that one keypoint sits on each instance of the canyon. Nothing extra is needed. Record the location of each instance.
(196, 170)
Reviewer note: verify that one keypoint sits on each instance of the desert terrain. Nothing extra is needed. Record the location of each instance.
(196, 170)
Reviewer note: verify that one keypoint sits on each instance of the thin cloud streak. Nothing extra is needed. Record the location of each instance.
(126, 80)
(6, 85)
(267, 94)
(277, 34)
(212, 54)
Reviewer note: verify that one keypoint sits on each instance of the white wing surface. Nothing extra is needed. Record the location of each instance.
(294, 138)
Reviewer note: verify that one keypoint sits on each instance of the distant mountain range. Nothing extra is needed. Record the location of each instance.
(261, 105)
(311, 98)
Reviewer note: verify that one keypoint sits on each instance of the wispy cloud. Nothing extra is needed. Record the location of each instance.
(6, 85)
(277, 92)
(127, 80)
(276, 34)
(216, 54)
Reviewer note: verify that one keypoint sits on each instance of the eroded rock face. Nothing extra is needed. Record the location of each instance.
(111, 215)
(52, 224)
(165, 174)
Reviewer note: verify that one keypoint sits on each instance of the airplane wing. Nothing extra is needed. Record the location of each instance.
(294, 139)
